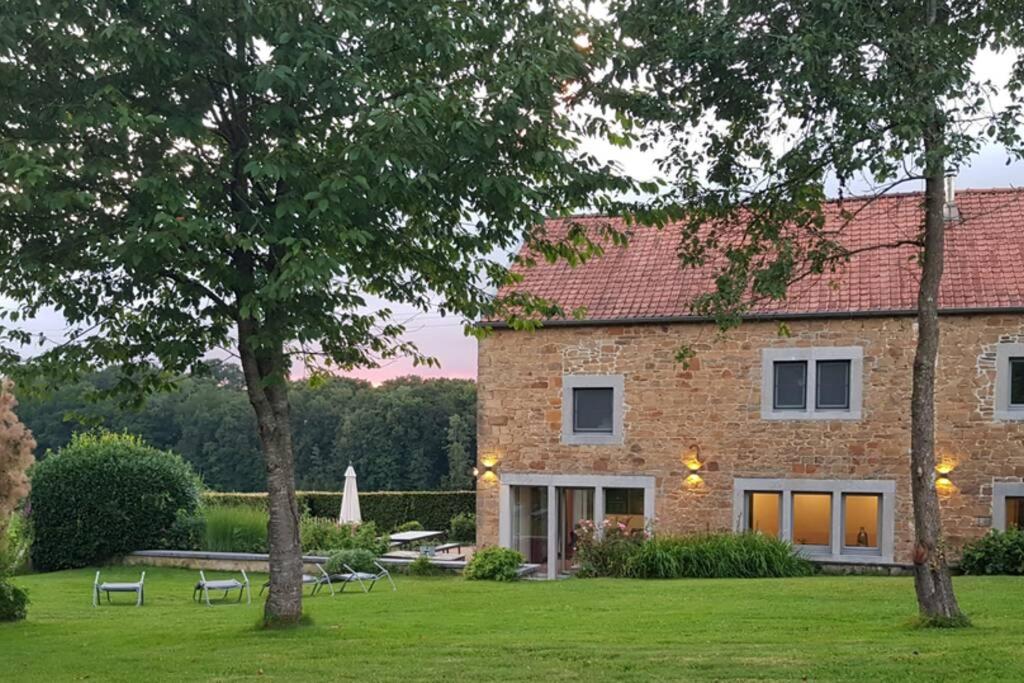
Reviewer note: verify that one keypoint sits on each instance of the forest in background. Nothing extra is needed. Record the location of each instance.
(407, 434)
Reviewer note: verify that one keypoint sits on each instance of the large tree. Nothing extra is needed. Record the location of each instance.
(178, 176)
(761, 105)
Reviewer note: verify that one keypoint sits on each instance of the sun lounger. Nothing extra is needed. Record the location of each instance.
(203, 587)
(124, 587)
(361, 577)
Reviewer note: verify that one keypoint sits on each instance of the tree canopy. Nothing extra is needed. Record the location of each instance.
(208, 421)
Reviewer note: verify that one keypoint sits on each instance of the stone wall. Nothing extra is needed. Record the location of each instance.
(715, 403)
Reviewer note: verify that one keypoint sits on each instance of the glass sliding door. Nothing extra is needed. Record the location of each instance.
(530, 523)
(574, 505)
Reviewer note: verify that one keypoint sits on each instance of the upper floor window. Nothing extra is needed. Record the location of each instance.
(1010, 382)
(812, 383)
(592, 408)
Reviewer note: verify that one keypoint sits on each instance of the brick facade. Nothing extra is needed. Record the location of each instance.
(716, 404)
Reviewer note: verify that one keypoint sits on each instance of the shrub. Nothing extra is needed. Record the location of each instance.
(320, 535)
(104, 495)
(422, 566)
(412, 525)
(608, 553)
(236, 529)
(13, 602)
(462, 528)
(724, 555)
(388, 509)
(359, 559)
(717, 556)
(494, 564)
(187, 533)
(998, 552)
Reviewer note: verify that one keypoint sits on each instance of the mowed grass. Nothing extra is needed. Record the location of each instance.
(819, 628)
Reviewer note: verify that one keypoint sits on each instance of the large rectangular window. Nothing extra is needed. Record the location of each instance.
(833, 380)
(812, 519)
(835, 520)
(764, 512)
(593, 410)
(790, 385)
(861, 520)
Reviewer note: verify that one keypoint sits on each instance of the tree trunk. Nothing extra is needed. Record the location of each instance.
(935, 597)
(266, 375)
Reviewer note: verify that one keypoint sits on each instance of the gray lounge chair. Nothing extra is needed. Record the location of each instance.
(123, 587)
(361, 577)
(310, 580)
(203, 587)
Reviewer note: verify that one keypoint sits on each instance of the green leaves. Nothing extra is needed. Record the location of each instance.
(198, 165)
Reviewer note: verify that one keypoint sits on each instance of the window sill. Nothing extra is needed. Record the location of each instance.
(584, 439)
(1015, 415)
(814, 415)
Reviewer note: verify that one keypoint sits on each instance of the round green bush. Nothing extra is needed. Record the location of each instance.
(463, 528)
(13, 602)
(998, 552)
(494, 564)
(104, 495)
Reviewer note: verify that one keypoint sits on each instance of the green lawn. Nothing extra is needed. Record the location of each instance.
(848, 628)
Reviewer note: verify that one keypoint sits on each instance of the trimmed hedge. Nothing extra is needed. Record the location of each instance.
(388, 509)
(104, 495)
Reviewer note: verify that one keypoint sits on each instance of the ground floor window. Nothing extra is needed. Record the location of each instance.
(541, 515)
(1015, 512)
(837, 519)
(812, 519)
(1007, 505)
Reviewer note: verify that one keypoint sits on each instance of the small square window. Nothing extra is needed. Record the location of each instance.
(1014, 512)
(790, 385)
(833, 380)
(593, 411)
(1017, 382)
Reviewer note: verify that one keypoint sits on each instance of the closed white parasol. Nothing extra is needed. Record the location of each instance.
(350, 499)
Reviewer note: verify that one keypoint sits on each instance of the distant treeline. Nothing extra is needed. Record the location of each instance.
(406, 434)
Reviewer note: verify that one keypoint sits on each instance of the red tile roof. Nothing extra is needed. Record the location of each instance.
(984, 265)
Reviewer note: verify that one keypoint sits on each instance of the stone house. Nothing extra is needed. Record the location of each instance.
(804, 435)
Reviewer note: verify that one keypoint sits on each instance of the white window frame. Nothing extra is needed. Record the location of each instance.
(854, 354)
(836, 551)
(553, 482)
(573, 438)
(1001, 490)
(1003, 409)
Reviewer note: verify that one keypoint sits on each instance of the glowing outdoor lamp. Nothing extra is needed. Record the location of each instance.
(692, 462)
(485, 471)
(943, 481)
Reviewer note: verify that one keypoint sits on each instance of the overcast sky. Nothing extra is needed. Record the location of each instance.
(444, 339)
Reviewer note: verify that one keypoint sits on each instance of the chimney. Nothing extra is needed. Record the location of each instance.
(950, 211)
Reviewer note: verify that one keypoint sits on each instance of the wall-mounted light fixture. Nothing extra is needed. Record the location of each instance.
(692, 462)
(488, 463)
(943, 481)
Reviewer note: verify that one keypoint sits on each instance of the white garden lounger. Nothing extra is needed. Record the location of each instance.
(310, 580)
(125, 587)
(226, 585)
(361, 577)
